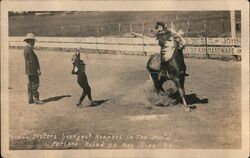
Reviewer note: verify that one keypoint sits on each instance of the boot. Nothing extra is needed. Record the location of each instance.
(79, 105)
(31, 101)
(92, 103)
(184, 73)
(38, 101)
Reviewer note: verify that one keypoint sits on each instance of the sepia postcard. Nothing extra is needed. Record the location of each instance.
(125, 79)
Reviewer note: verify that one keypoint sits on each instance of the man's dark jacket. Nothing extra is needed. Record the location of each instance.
(31, 61)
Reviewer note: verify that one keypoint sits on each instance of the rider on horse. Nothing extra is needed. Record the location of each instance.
(168, 41)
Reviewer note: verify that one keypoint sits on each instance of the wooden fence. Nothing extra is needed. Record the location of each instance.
(145, 45)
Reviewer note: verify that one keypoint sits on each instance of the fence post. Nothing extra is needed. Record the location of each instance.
(232, 22)
(188, 25)
(143, 44)
(61, 29)
(130, 26)
(119, 26)
(205, 33)
(80, 29)
(96, 43)
(233, 29)
(223, 25)
(172, 26)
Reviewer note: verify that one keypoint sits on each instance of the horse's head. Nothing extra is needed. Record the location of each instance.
(78, 64)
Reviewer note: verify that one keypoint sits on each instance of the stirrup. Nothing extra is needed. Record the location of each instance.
(160, 75)
(163, 73)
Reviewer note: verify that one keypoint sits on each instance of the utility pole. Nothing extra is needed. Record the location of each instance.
(233, 29)
(233, 24)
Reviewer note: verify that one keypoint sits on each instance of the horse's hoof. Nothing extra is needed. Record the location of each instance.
(187, 109)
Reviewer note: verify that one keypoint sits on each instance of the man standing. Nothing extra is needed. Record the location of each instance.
(32, 69)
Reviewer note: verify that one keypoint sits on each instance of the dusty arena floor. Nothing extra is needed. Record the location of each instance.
(123, 118)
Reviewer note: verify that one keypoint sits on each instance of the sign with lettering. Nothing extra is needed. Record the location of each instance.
(213, 50)
(195, 50)
(224, 50)
(224, 41)
(195, 41)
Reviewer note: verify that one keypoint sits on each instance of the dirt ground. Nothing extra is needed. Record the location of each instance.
(124, 118)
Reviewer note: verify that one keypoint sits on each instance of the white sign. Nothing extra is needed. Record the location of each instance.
(224, 50)
(195, 41)
(224, 41)
(195, 50)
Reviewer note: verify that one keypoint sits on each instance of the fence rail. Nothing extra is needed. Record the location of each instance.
(199, 45)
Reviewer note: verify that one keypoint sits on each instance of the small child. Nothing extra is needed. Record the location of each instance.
(168, 41)
(79, 70)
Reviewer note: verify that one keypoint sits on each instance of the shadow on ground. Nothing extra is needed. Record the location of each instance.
(56, 98)
(193, 99)
(98, 102)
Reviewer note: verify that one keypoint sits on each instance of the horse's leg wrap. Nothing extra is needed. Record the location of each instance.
(182, 82)
(182, 95)
(187, 108)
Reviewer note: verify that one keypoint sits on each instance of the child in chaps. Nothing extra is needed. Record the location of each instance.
(168, 42)
(79, 70)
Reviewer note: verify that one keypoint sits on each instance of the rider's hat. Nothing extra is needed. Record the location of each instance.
(160, 23)
(73, 58)
(29, 36)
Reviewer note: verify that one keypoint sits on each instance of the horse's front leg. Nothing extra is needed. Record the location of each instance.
(154, 77)
(182, 83)
(181, 92)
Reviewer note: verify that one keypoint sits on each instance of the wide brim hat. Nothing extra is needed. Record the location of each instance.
(30, 36)
(160, 23)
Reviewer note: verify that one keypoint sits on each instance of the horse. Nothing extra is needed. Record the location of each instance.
(176, 70)
(79, 70)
